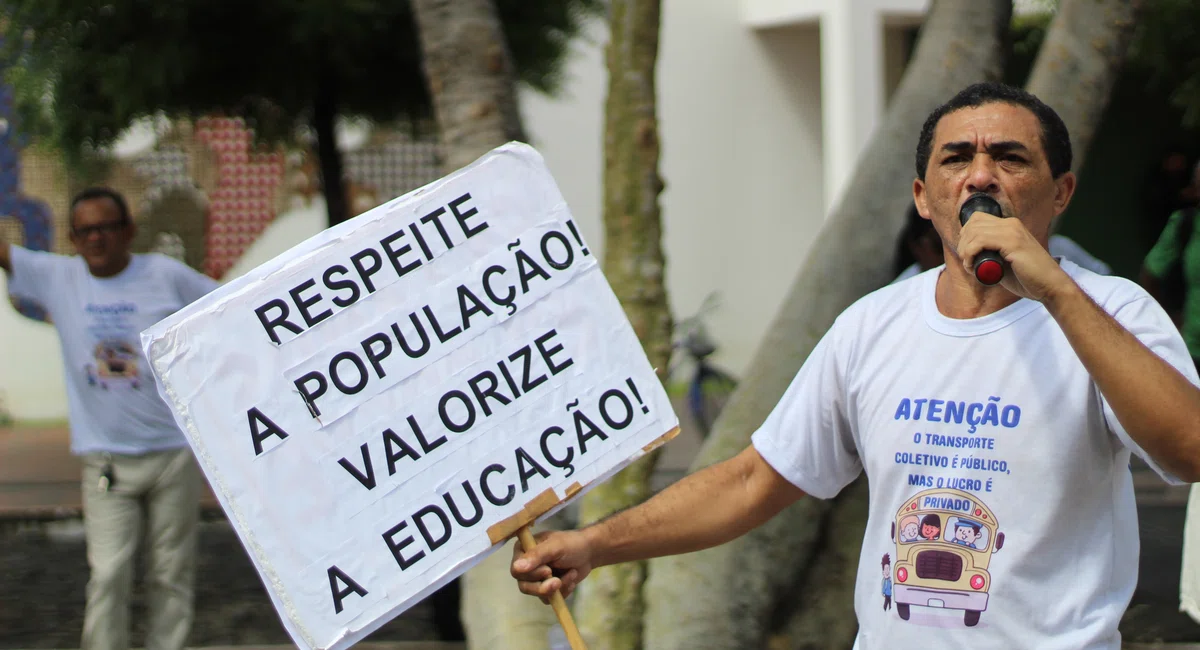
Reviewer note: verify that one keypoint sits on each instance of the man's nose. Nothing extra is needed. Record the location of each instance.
(981, 176)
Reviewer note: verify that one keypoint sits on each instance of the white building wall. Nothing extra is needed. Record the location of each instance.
(740, 121)
(31, 376)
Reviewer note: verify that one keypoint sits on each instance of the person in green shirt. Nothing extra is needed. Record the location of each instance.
(1177, 249)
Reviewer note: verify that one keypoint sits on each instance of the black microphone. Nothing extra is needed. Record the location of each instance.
(989, 266)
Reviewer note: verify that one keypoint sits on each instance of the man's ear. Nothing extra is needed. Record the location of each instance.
(130, 233)
(918, 191)
(1064, 189)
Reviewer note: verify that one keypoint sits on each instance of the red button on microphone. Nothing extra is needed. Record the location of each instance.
(989, 271)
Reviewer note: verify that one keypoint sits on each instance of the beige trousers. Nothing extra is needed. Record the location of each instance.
(155, 499)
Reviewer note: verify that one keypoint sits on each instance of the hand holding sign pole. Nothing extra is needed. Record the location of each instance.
(989, 266)
(525, 535)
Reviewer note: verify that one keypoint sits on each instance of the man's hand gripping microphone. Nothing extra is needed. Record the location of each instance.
(989, 266)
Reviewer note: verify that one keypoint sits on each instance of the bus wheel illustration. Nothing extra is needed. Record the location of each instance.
(902, 610)
(971, 618)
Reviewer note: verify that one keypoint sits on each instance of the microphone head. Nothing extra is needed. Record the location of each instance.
(979, 202)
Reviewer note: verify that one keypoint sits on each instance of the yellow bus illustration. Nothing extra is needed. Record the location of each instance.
(116, 362)
(944, 541)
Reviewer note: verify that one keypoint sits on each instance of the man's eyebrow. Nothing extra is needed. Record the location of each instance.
(1004, 146)
(958, 147)
(1007, 146)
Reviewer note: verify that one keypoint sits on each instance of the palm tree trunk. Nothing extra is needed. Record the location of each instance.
(1079, 62)
(470, 75)
(473, 88)
(609, 604)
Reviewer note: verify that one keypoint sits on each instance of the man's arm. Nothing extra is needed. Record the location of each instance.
(705, 509)
(1157, 406)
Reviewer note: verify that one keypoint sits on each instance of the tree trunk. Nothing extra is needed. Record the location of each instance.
(329, 156)
(725, 597)
(470, 75)
(473, 87)
(1079, 62)
(609, 605)
(818, 619)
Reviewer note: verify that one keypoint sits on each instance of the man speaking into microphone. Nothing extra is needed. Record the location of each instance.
(995, 420)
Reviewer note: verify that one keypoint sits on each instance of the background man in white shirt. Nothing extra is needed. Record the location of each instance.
(140, 481)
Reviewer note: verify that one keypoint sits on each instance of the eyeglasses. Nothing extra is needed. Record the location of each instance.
(82, 232)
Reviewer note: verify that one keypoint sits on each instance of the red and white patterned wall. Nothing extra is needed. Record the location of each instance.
(244, 201)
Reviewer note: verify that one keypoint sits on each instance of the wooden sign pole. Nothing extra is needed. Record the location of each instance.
(522, 521)
(525, 534)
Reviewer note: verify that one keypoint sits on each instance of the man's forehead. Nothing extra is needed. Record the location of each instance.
(989, 123)
(98, 206)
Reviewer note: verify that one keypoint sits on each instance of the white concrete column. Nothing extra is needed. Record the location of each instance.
(852, 87)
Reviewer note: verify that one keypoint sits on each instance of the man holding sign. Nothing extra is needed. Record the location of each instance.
(1017, 405)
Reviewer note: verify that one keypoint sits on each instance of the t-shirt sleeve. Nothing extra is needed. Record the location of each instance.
(191, 285)
(807, 438)
(1146, 320)
(1165, 252)
(33, 274)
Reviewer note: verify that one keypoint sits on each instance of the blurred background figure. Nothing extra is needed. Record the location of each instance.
(1172, 268)
(141, 485)
(919, 248)
(1168, 189)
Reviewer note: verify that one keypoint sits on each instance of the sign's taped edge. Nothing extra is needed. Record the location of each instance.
(542, 503)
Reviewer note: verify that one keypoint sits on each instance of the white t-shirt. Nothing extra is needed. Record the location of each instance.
(113, 402)
(969, 429)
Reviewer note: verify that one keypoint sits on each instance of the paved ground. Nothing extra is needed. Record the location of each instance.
(43, 567)
(43, 572)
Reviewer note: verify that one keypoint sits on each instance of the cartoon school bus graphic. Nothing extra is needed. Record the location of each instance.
(116, 361)
(944, 541)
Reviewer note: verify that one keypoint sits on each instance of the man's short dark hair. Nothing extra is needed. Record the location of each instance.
(1055, 140)
(93, 193)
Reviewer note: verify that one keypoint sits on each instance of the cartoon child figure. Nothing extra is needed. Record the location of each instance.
(931, 527)
(887, 582)
(911, 532)
(966, 533)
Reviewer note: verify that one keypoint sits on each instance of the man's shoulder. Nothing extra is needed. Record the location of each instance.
(1111, 292)
(25, 260)
(881, 305)
(49, 257)
(159, 261)
(165, 265)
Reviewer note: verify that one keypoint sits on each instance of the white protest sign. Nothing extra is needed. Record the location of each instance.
(381, 406)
